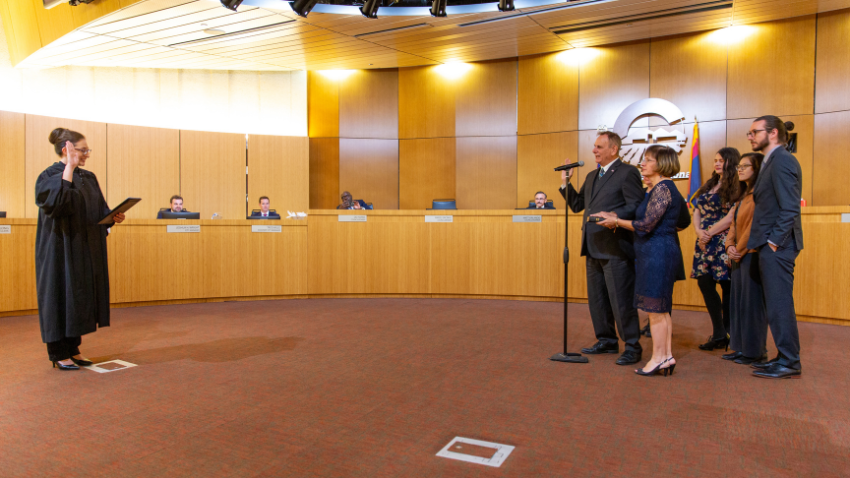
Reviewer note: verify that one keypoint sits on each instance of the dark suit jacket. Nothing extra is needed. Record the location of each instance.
(619, 191)
(271, 214)
(548, 206)
(776, 194)
(363, 205)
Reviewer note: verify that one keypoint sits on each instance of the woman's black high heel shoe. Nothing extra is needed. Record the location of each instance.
(653, 371)
(82, 363)
(670, 368)
(715, 343)
(62, 366)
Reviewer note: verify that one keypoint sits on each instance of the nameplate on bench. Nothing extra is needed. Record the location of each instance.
(354, 218)
(5, 229)
(187, 228)
(266, 228)
(845, 217)
(525, 218)
(439, 219)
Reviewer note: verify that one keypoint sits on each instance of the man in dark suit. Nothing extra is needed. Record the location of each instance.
(540, 201)
(777, 237)
(176, 206)
(264, 209)
(614, 186)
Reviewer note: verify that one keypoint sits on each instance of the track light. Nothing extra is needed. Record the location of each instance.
(303, 7)
(370, 8)
(506, 5)
(438, 8)
(231, 4)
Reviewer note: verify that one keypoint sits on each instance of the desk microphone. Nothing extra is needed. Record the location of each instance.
(569, 166)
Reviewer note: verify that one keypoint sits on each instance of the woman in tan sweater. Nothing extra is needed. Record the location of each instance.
(748, 331)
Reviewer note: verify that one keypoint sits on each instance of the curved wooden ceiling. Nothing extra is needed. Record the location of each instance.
(170, 33)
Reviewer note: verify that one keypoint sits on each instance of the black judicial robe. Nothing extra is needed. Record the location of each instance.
(71, 269)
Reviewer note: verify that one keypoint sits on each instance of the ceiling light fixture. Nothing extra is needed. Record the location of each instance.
(506, 5)
(370, 8)
(303, 7)
(438, 8)
(231, 4)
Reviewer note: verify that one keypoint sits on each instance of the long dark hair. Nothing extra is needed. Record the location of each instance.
(59, 136)
(730, 188)
(756, 159)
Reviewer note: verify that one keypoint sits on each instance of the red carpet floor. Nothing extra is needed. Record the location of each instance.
(375, 388)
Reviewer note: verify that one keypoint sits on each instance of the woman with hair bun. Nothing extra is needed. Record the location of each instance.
(70, 251)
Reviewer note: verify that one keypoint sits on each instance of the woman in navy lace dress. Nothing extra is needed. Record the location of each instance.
(657, 253)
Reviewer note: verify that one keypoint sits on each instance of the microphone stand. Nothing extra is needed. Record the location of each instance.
(567, 356)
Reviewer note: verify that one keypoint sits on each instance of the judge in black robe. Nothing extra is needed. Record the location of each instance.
(70, 257)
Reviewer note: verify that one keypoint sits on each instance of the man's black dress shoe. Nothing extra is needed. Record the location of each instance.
(599, 348)
(629, 357)
(732, 356)
(764, 365)
(777, 370)
(715, 343)
(744, 360)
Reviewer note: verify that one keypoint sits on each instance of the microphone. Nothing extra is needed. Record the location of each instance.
(569, 166)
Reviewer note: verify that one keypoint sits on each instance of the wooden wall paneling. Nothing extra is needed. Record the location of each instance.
(736, 134)
(324, 173)
(40, 153)
(13, 163)
(537, 155)
(368, 104)
(17, 267)
(20, 25)
(610, 79)
(486, 172)
(690, 72)
(780, 78)
(212, 173)
(322, 105)
(279, 167)
(368, 169)
(832, 89)
(497, 258)
(426, 171)
(487, 99)
(830, 167)
(712, 137)
(385, 254)
(426, 103)
(547, 94)
(143, 162)
(821, 272)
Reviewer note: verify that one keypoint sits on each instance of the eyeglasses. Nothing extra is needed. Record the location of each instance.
(84, 151)
(743, 167)
(753, 133)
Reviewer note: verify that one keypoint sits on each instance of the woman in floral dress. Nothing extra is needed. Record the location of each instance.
(712, 206)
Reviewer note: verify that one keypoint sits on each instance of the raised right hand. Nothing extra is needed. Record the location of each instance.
(72, 156)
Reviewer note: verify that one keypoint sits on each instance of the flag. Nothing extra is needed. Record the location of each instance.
(696, 177)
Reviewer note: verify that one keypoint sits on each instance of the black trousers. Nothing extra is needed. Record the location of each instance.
(748, 329)
(64, 349)
(777, 276)
(611, 298)
(718, 308)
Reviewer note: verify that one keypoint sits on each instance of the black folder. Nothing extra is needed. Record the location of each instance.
(123, 207)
